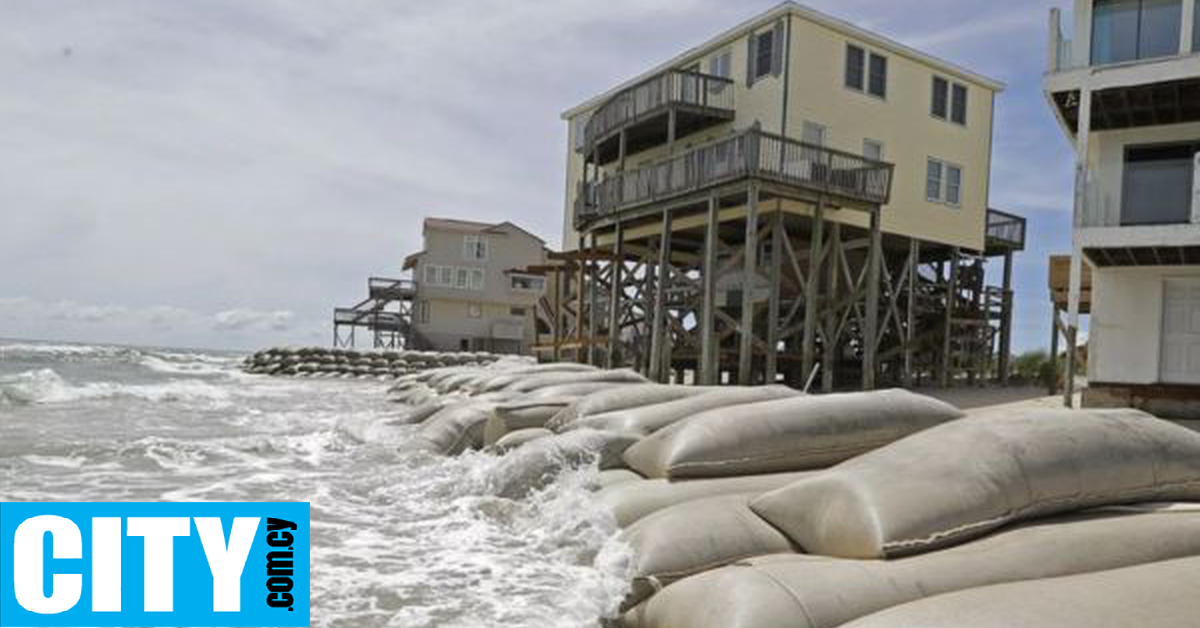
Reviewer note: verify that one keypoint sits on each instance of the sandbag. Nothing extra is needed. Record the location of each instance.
(1156, 595)
(534, 382)
(791, 434)
(630, 501)
(576, 390)
(651, 418)
(518, 415)
(631, 396)
(799, 591)
(534, 465)
(455, 428)
(509, 377)
(695, 536)
(610, 477)
(517, 438)
(421, 413)
(958, 481)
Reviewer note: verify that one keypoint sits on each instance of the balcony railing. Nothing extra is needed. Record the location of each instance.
(745, 154)
(655, 94)
(391, 289)
(1005, 229)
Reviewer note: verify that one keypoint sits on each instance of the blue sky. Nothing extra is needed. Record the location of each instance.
(221, 173)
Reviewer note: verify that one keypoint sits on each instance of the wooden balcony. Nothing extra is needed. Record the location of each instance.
(750, 154)
(667, 105)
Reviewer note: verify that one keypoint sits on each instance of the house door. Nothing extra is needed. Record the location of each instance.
(1181, 332)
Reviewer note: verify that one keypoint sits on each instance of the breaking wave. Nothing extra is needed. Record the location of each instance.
(45, 386)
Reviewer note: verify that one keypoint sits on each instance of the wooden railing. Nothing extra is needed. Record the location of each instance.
(750, 153)
(1005, 229)
(655, 93)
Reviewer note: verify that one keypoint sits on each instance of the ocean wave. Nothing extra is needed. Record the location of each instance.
(45, 386)
(67, 352)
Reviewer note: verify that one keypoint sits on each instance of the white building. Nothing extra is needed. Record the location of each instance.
(1126, 90)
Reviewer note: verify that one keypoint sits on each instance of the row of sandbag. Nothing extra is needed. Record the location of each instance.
(958, 506)
(327, 362)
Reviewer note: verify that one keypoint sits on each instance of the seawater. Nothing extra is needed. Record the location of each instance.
(399, 538)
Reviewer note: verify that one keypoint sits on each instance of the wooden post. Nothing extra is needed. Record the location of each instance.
(1052, 386)
(948, 326)
(1006, 316)
(776, 276)
(750, 271)
(621, 149)
(1076, 277)
(616, 290)
(658, 329)
(580, 300)
(914, 263)
(833, 267)
(557, 330)
(871, 333)
(708, 348)
(812, 286)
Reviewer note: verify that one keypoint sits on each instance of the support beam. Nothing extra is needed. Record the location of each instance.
(558, 315)
(812, 291)
(708, 342)
(616, 291)
(1076, 270)
(593, 303)
(776, 276)
(580, 296)
(871, 325)
(948, 325)
(1006, 314)
(910, 328)
(1052, 385)
(658, 329)
(830, 334)
(750, 271)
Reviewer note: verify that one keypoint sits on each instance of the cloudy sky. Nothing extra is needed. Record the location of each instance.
(221, 173)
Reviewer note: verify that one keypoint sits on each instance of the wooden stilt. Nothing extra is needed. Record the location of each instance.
(776, 275)
(871, 327)
(658, 328)
(948, 326)
(708, 341)
(910, 327)
(830, 335)
(812, 290)
(616, 291)
(750, 272)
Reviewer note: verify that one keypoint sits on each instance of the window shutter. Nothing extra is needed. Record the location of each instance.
(750, 59)
(777, 49)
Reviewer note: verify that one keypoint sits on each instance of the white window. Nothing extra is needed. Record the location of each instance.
(720, 64)
(475, 310)
(477, 279)
(949, 101)
(943, 183)
(764, 55)
(933, 181)
(475, 248)
(421, 312)
(446, 275)
(462, 278)
(431, 274)
(873, 149)
(813, 133)
(532, 283)
(953, 185)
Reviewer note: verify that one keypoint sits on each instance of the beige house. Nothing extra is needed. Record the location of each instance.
(1124, 82)
(705, 193)
(469, 293)
(816, 79)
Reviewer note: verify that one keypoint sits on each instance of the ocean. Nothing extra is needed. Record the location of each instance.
(399, 538)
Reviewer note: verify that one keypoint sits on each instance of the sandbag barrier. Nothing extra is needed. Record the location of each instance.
(749, 507)
(320, 362)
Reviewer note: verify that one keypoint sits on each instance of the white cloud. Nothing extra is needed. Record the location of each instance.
(243, 319)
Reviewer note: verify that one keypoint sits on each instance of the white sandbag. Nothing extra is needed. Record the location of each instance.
(1156, 595)
(519, 415)
(693, 537)
(799, 591)
(509, 377)
(419, 414)
(610, 477)
(630, 501)
(577, 390)
(534, 382)
(517, 438)
(791, 434)
(534, 465)
(630, 396)
(455, 428)
(957, 481)
(648, 419)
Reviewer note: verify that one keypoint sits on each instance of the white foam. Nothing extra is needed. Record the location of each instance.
(45, 386)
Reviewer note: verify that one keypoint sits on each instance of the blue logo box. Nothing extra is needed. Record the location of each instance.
(154, 564)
